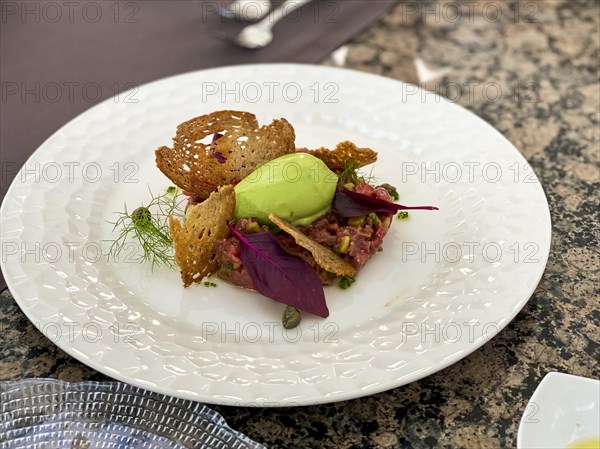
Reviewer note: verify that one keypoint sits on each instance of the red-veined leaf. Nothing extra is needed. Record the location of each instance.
(279, 275)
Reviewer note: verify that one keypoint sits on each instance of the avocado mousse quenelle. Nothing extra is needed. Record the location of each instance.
(297, 187)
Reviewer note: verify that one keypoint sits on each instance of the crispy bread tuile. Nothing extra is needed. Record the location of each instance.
(200, 168)
(325, 257)
(195, 240)
(345, 153)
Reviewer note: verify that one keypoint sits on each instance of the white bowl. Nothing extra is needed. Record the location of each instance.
(563, 410)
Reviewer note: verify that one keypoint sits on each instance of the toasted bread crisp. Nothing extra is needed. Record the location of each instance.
(201, 167)
(345, 153)
(195, 240)
(326, 258)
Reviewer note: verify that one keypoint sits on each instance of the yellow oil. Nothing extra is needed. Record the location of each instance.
(588, 443)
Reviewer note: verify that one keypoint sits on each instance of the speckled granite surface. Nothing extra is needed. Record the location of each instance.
(544, 58)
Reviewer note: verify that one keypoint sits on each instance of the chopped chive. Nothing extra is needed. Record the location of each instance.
(346, 282)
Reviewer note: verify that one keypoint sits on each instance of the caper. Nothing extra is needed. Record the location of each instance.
(391, 190)
(291, 317)
(141, 215)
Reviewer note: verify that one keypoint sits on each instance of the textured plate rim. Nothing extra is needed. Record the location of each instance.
(403, 380)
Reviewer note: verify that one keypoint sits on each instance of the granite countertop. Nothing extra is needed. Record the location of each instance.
(544, 58)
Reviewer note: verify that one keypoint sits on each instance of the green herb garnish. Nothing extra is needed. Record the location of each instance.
(402, 215)
(149, 225)
(352, 176)
(346, 282)
(210, 284)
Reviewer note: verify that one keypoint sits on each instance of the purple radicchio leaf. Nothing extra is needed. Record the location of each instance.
(217, 154)
(353, 204)
(279, 275)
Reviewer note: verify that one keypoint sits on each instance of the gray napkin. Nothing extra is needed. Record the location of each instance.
(60, 58)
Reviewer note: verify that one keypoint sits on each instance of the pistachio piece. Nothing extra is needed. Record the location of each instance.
(374, 219)
(344, 244)
(357, 221)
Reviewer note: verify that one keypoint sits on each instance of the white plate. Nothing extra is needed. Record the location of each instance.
(563, 410)
(445, 284)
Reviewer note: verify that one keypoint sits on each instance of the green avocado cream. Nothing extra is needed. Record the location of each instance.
(297, 187)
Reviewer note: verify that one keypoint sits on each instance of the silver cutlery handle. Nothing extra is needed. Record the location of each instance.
(279, 13)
